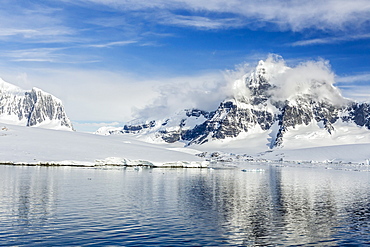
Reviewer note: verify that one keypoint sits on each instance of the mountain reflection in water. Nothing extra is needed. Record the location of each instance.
(282, 206)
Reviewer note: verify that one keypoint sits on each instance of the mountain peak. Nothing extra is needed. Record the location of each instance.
(272, 66)
(31, 108)
(280, 104)
(273, 80)
(6, 86)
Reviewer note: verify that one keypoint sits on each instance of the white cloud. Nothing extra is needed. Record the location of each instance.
(311, 77)
(88, 95)
(49, 55)
(330, 40)
(359, 93)
(208, 91)
(174, 94)
(318, 41)
(32, 22)
(41, 23)
(102, 96)
(93, 126)
(293, 15)
(199, 22)
(115, 43)
(14, 31)
(355, 86)
(354, 78)
(37, 54)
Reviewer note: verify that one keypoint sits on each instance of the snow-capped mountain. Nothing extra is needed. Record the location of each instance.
(284, 106)
(31, 108)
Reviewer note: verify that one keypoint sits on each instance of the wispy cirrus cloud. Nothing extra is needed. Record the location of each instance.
(359, 93)
(35, 55)
(286, 15)
(355, 86)
(20, 21)
(199, 22)
(5, 32)
(49, 55)
(44, 23)
(115, 43)
(330, 40)
(354, 78)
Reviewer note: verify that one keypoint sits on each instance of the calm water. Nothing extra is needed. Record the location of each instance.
(64, 206)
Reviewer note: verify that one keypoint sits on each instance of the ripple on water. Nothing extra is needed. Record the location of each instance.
(188, 207)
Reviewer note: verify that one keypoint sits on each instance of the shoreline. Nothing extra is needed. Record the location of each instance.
(347, 166)
(80, 164)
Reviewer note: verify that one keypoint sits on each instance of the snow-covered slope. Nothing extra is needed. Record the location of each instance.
(352, 153)
(31, 108)
(274, 106)
(22, 145)
(19, 144)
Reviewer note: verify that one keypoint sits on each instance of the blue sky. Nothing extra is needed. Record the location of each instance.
(104, 58)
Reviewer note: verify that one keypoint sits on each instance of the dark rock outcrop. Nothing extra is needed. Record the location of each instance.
(261, 108)
(31, 108)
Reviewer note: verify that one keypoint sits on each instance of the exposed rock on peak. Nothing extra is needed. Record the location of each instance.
(273, 99)
(31, 108)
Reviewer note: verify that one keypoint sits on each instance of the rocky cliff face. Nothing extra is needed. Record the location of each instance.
(265, 106)
(31, 108)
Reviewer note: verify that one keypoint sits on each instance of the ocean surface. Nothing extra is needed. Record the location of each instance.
(282, 206)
